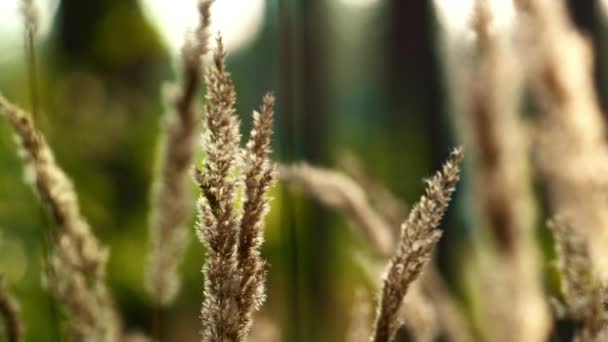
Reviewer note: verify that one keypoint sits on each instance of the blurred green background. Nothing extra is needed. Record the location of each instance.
(363, 76)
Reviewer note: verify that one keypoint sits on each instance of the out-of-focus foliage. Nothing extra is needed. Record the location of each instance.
(358, 76)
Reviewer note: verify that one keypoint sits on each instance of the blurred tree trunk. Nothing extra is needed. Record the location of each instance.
(304, 96)
(317, 237)
(290, 321)
(415, 88)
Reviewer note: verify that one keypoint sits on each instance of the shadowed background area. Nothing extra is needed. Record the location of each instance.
(362, 78)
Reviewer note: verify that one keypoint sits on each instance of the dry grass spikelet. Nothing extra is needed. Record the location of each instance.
(234, 271)
(338, 191)
(585, 298)
(78, 260)
(171, 202)
(429, 310)
(419, 234)
(259, 176)
(219, 220)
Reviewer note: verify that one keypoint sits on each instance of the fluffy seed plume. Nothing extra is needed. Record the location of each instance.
(78, 260)
(171, 202)
(419, 234)
(11, 314)
(259, 176)
(234, 271)
(338, 191)
(443, 313)
(432, 310)
(585, 299)
(502, 187)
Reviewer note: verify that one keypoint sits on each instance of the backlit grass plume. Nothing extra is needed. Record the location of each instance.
(78, 260)
(572, 147)
(501, 185)
(419, 234)
(585, 299)
(429, 310)
(234, 271)
(172, 197)
(342, 193)
(10, 314)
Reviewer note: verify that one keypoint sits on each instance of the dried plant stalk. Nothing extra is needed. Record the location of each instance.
(419, 234)
(234, 271)
(172, 195)
(585, 299)
(11, 314)
(418, 312)
(339, 191)
(572, 148)
(219, 221)
(429, 310)
(443, 312)
(78, 260)
(502, 187)
(259, 176)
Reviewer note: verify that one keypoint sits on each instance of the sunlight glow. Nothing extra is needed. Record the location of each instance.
(11, 23)
(604, 5)
(238, 20)
(504, 14)
(359, 3)
(456, 15)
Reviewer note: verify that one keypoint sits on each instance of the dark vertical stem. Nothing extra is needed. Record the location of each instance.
(286, 121)
(315, 235)
(303, 123)
(157, 328)
(414, 76)
(313, 82)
